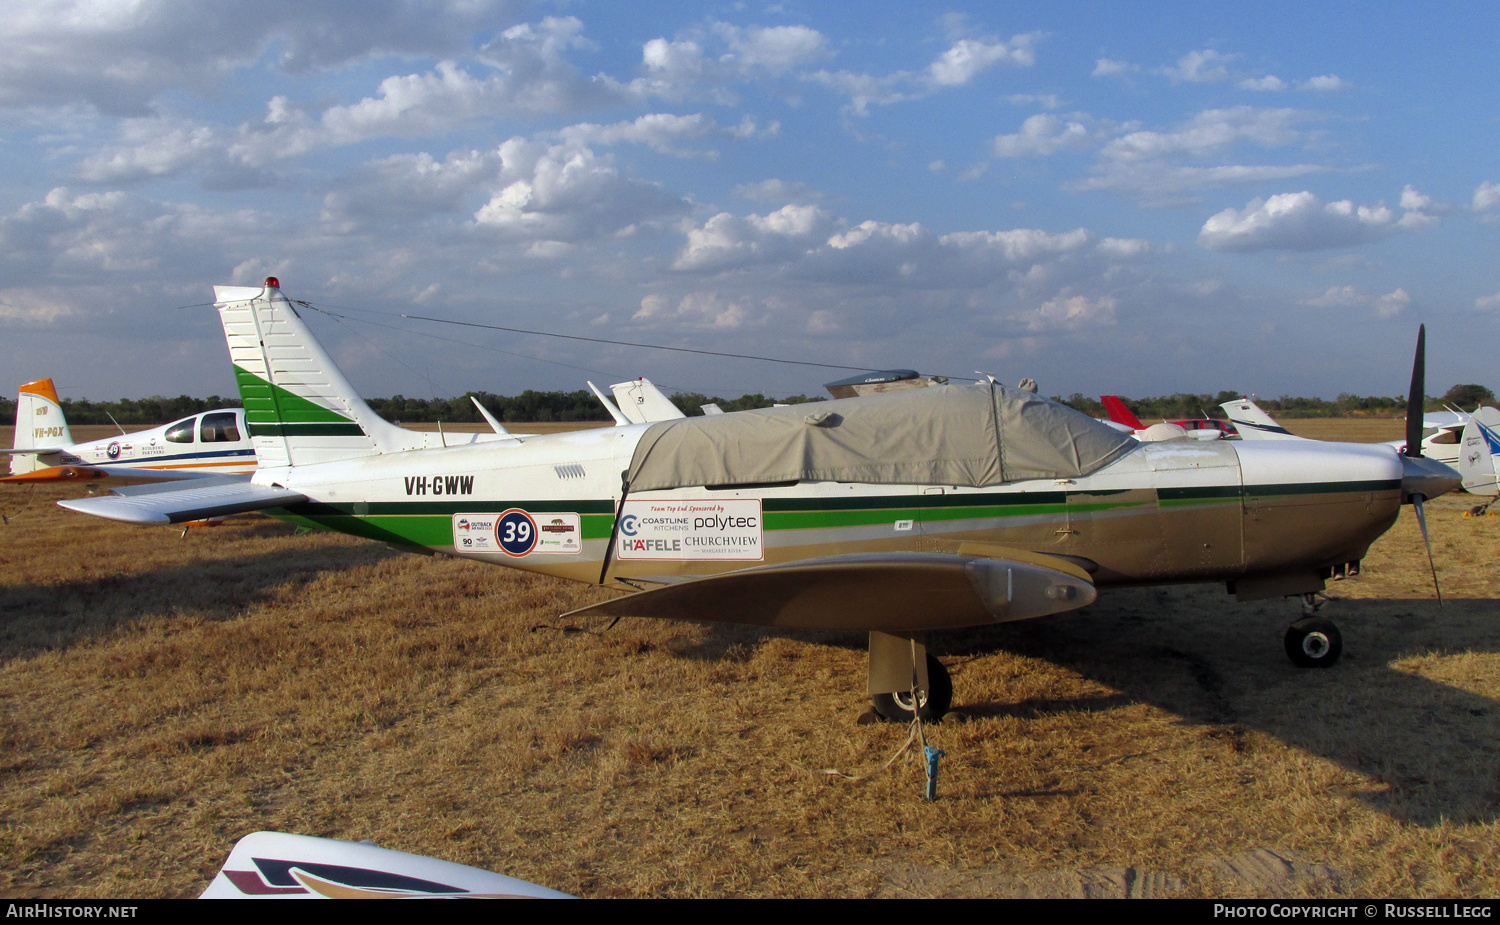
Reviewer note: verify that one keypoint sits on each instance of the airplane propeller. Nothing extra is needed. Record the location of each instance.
(1421, 478)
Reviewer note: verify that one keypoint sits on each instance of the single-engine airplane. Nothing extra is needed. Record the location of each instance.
(1119, 414)
(1441, 433)
(897, 514)
(211, 443)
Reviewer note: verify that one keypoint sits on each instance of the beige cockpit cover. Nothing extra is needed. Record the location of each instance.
(943, 435)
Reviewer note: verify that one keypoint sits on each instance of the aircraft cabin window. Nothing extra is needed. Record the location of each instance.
(219, 428)
(181, 432)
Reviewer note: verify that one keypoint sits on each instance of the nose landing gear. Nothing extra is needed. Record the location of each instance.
(1313, 641)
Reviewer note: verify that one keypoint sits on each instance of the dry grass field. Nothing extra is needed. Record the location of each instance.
(161, 696)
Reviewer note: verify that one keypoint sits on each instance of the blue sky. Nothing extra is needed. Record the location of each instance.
(1139, 198)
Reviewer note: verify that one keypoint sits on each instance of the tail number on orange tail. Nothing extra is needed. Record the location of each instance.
(439, 484)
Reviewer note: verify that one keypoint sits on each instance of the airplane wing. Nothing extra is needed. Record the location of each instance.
(889, 592)
(120, 475)
(177, 503)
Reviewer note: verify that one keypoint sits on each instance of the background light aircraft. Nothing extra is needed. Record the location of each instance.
(212, 443)
(639, 401)
(1479, 459)
(1198, 428)
(897, 514)
(1442, 431)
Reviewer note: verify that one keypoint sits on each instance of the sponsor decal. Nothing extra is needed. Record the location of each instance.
(706, 530)
(518, 533)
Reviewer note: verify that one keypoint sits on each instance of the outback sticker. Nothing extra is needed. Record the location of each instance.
(717, 530)
(518, 533)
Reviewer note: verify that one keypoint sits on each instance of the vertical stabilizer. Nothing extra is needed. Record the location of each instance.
(1116, 410)
(1253, 423)
(299, 408)
(643, 403)
(40, 425)
(1480, 452)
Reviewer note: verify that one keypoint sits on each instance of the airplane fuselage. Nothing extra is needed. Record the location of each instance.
(1167, 512)
(215, 441)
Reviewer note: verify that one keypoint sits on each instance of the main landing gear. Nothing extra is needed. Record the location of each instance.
(933, 702)
(906, 682)
(1313, 641)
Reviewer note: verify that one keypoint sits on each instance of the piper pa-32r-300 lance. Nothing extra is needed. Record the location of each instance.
(897, 514)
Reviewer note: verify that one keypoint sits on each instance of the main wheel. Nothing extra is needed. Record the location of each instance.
(932, 703)
(1313, 642)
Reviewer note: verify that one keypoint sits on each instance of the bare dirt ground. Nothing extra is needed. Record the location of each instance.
(161, 696)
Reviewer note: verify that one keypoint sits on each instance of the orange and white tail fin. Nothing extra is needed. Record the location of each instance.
(40, 425)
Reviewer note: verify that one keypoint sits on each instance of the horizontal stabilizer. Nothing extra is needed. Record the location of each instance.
(176, 503)
(889, 592)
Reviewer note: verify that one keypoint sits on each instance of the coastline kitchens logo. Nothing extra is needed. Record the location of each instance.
(717, 530)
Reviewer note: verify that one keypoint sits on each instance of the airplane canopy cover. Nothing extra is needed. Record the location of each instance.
(973, 435)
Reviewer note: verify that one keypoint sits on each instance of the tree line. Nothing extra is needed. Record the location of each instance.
(532, 406)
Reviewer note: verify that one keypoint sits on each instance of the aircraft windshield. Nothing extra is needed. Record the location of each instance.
(181, 432)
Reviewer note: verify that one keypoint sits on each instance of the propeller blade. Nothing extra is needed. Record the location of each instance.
(1416, 503)
(1416, 396)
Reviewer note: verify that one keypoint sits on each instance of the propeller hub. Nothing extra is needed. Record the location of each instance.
(1426, 477)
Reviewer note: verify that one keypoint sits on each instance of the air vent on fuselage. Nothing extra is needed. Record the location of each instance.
(570, 471)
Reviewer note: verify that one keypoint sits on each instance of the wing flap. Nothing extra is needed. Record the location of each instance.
(896, 592)
(175, 503)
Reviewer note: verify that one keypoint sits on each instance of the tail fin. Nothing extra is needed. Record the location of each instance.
(1115, 409)
(1253, 423)
(1480, 453)
(643, 403)
(299, 408)
(40, 425)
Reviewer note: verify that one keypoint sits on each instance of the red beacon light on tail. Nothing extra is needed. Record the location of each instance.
(273, 283)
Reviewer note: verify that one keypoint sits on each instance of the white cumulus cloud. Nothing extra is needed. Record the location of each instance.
(1042, 135)
(1298, 222)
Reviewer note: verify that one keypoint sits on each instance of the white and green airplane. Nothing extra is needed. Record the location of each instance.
(897, 514)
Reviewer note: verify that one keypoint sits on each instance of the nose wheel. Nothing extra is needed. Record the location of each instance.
(1314, 642)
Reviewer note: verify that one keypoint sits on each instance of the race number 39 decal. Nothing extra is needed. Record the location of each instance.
(518, 533)
(515, 531)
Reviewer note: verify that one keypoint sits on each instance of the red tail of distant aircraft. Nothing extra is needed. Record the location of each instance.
(1115, 409)
(1199, 428)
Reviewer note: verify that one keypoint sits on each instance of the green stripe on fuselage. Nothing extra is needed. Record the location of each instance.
(430, 523)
